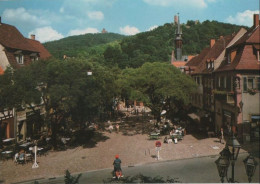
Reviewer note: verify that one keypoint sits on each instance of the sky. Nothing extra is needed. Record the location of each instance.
(55, 19)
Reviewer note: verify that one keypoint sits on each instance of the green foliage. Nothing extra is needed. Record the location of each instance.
(81, 45)
(140, 178)
(69, 179)
(133, 51)
(157, 85)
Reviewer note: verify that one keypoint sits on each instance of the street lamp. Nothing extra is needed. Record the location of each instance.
(250, 165)
(226, 156)
(222, 164)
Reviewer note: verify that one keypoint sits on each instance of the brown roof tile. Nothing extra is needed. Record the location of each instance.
(44, 53)
(214, 52)
(197, 59)
(245, 58)
(179, 63)
(12, 38)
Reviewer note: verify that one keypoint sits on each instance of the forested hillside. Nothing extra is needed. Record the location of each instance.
(150, 46)
(74, 46)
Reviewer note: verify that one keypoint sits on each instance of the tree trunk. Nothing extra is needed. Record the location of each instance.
(54, 134)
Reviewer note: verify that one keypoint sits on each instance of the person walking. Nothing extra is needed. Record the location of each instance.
(117, 165)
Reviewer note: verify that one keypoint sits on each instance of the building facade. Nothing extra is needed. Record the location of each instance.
(16, 51)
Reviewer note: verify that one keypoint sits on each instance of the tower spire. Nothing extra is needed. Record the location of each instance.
(178, 40)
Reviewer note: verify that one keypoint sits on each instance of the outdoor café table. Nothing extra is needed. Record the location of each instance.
(178, 136)
(7, 154)
(8, 141)
(26, 145)
(154, 135)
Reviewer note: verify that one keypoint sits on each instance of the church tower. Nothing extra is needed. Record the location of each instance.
(178, 40)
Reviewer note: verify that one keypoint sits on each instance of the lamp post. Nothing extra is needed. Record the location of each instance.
(227, 156)
(250, 165)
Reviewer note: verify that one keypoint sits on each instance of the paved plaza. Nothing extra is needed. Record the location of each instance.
(134, 149)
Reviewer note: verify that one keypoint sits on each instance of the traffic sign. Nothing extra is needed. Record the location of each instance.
(158, 144)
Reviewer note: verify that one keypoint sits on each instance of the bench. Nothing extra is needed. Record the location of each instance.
(154, 136)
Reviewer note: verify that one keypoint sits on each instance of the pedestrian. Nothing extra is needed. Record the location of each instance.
(110, 128)
(117, 128)
(221, 136)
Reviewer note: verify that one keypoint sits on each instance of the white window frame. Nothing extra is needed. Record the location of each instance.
(19, 58)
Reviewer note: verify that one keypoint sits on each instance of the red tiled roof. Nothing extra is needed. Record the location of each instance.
(12, 38)
(179, 63)
(245, 58)
(1, 71)
(44, 53)
(214, 52)
(251, 36)
(197, 59)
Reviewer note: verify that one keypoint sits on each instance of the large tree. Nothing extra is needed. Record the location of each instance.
(158, 85)
(63, 88)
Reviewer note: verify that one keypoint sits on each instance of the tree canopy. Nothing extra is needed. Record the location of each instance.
(158, 85)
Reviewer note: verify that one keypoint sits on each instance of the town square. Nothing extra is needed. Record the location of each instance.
(142, 91)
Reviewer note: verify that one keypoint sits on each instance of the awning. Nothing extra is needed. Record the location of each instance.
(194, 116)
(255, 117)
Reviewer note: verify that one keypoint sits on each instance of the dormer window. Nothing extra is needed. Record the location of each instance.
(19, 57)
(212, 64)
(34, 57)
(229, 59)
(208, 65)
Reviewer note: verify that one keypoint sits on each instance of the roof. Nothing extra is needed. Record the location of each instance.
(179, 63)
(251, 36)
(245, 58)
(1, 71)
(214, 53)
(12, 38)
(197, 59)
(44, 53)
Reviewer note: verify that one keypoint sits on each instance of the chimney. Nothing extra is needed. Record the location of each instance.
(256, 20)
(32, 36)
(212, 42)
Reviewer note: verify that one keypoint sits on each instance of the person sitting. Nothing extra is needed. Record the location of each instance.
(117, 165)
(165, 140)
(21, 158)
(16, 157)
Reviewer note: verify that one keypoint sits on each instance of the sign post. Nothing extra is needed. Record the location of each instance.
(35, 165)
(158, 148)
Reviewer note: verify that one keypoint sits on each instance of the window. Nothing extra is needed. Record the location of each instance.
(245, 83)
(208, 64)
(258, 55)
(222, 79)
(198, 80)
(219, 82)
(229, 59)
(34, 58)
(258, 83)
(250, 83)
(212, 65)
(225, 82)
(19, 58)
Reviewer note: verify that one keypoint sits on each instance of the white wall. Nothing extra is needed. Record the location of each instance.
(4, 63)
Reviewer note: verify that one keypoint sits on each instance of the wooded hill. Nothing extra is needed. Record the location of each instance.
(133, 51)
(74, 46)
